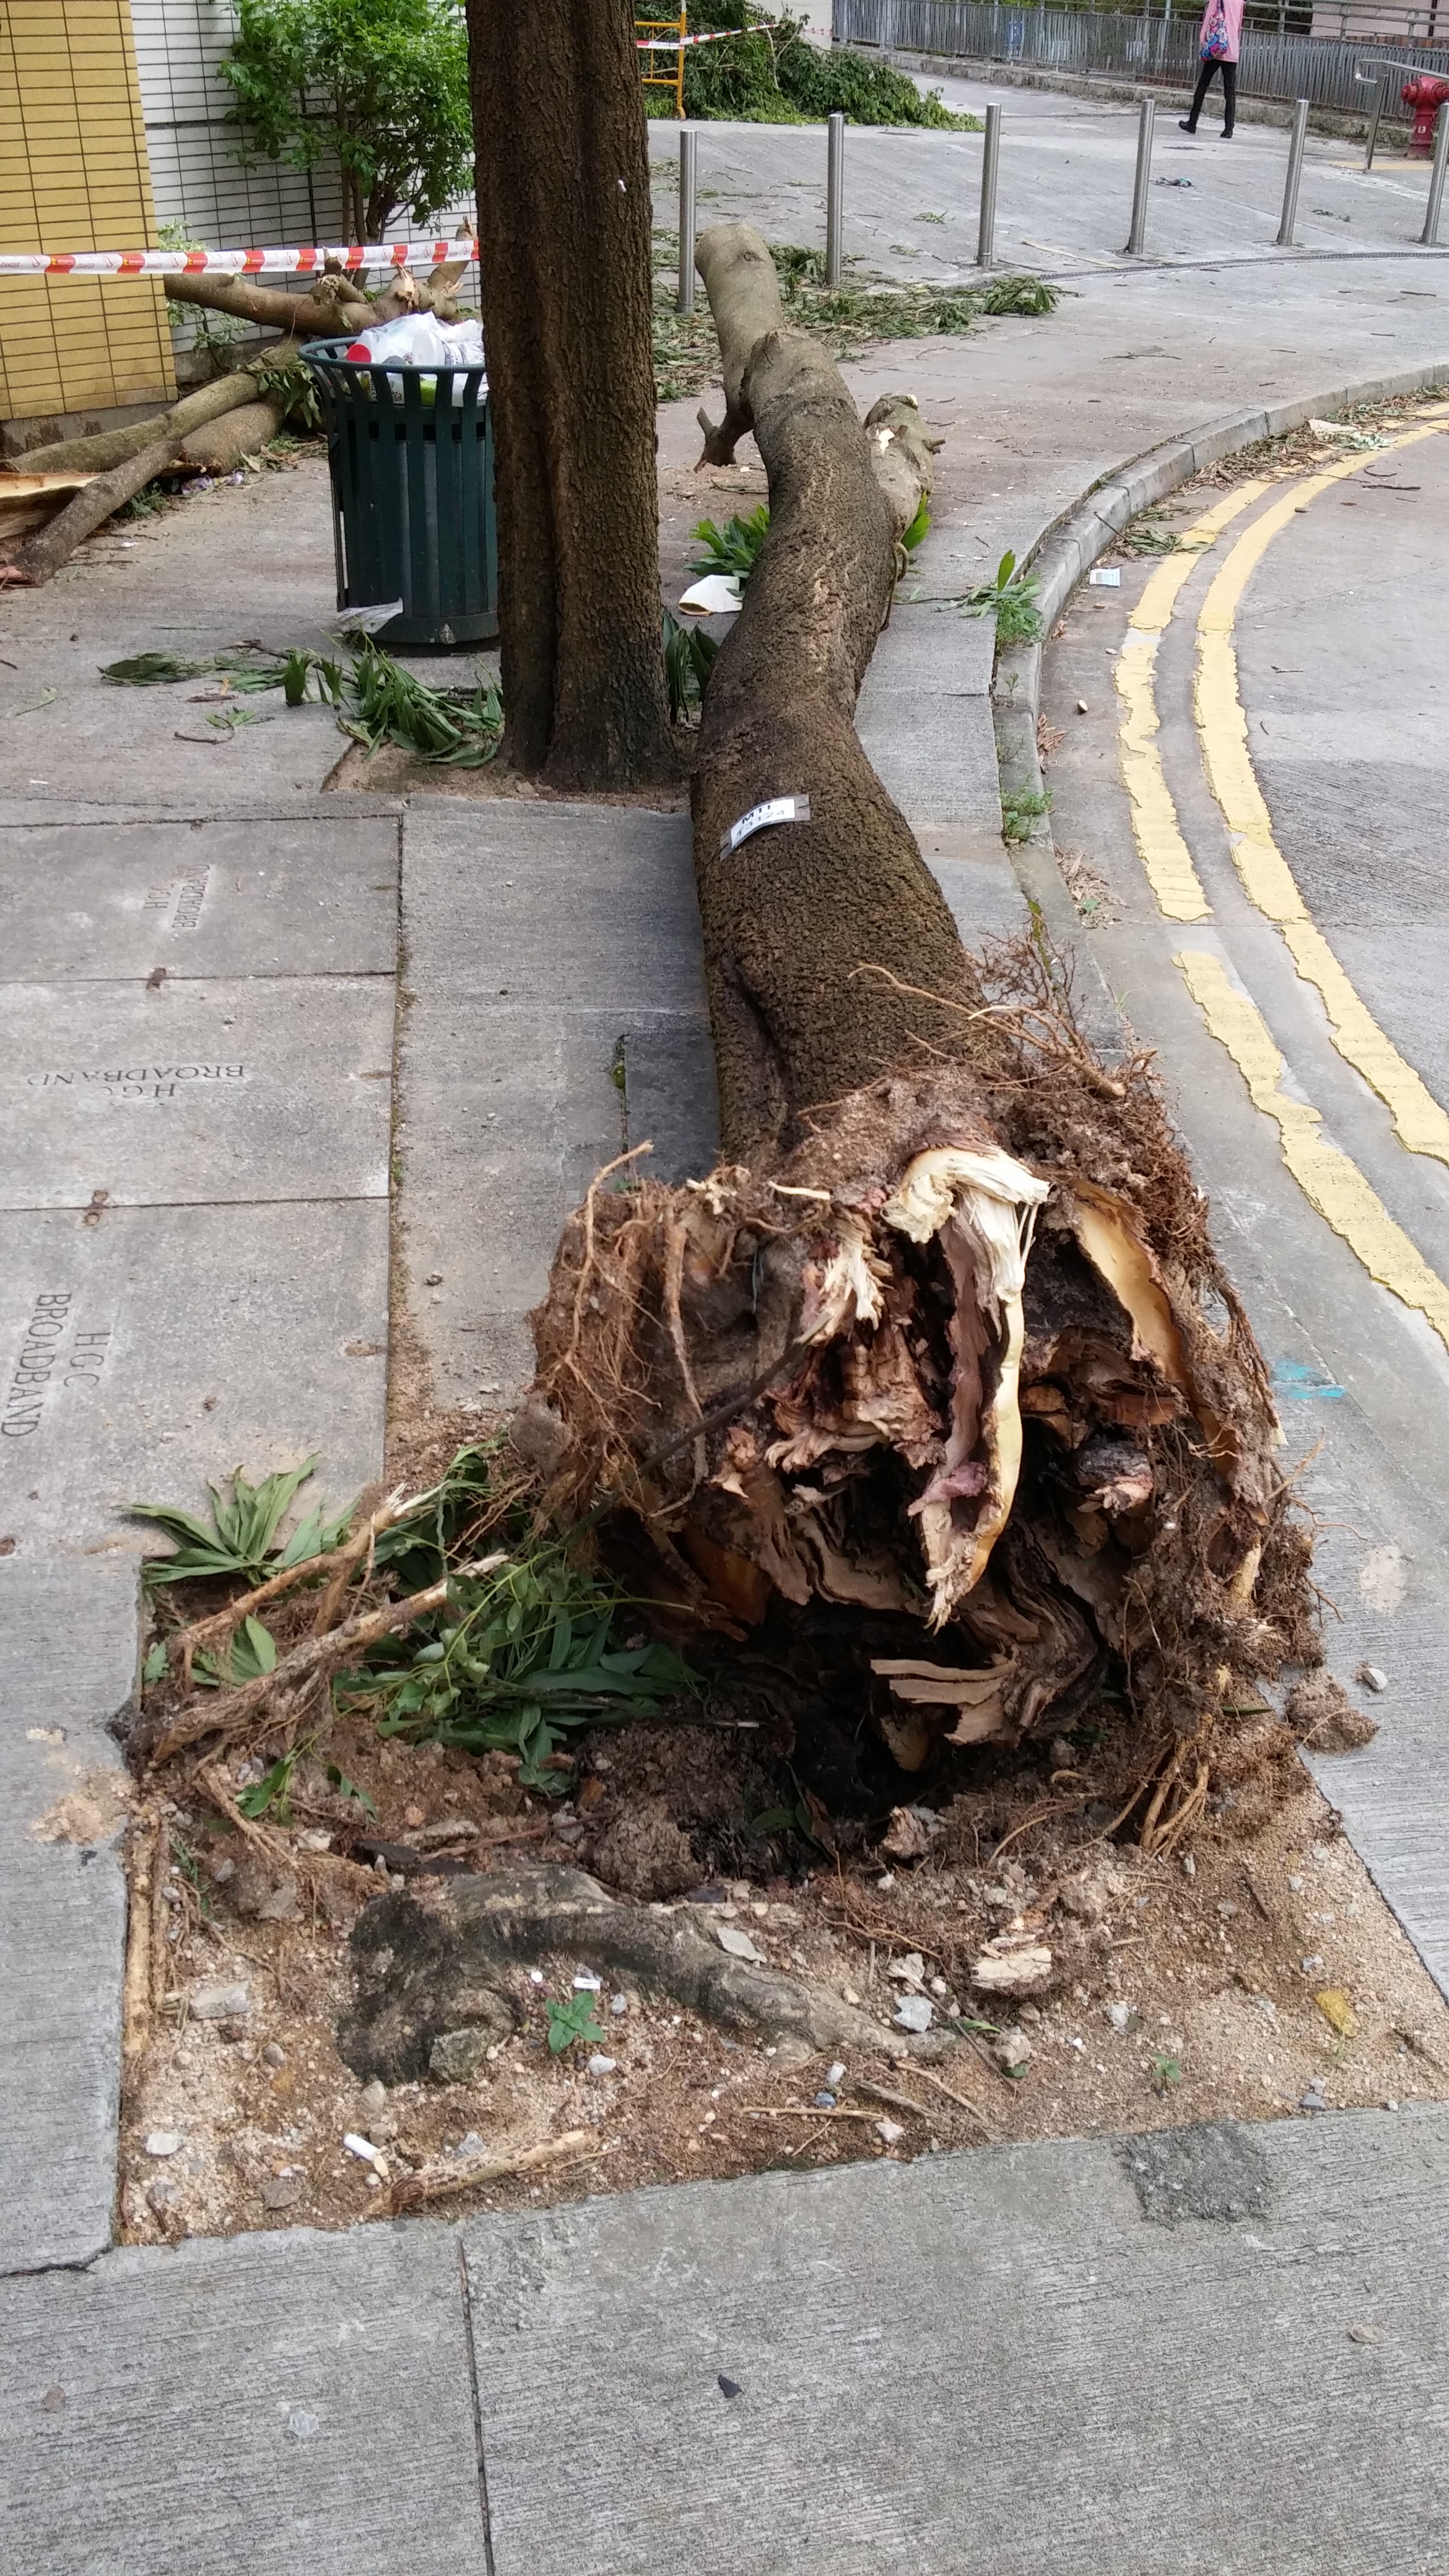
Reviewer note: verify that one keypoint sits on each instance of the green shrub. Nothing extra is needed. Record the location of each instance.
(767, 74)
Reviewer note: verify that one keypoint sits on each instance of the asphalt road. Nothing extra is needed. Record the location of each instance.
(1252, 763)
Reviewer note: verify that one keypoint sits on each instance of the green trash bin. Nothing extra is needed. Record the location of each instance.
(412, 494)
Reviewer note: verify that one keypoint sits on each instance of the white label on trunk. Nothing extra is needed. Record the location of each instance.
(776, 809)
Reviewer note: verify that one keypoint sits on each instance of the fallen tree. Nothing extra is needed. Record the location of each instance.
(943, 1343)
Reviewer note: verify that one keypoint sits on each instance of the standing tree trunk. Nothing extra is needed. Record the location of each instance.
(564, 223)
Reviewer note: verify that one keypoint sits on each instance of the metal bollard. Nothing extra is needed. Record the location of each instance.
(1146, 119)
(1295, 174)
(1440, 168)
(688, 172)
(1381, 93)
(834, 195)
(990, 154)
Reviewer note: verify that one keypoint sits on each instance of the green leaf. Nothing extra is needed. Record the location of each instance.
(349, 1789)
(572, 2021)
(732, 548)
(253, 1651)
(271, 1791)
(154, 1667)
(176, 1523)
(919, 527)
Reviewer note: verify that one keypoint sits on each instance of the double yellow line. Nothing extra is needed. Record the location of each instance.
(1328, 1177)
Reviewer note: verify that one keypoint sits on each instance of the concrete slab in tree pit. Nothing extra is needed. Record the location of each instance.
(162, 1346)
(1006, 2363)
(68, 1634)
(260, 897)
(195, 1093)
(284, 2404)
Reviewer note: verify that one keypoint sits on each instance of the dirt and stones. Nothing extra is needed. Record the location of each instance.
(1251, 1972)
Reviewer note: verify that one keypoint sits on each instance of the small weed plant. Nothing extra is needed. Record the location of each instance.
(575, 2020)
(241, 1536)
(1011, 599)
(1020, 808)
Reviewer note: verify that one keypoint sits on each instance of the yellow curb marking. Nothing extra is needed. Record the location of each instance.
(1328, 1179)
(1164, 853)
(1420, 1122)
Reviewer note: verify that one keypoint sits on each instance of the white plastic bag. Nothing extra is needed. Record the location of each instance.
(421, 340)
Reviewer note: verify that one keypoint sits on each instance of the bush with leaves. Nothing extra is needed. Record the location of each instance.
(770, 75)
(380, 87)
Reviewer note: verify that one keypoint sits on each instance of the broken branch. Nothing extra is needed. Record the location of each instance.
(225, 1714)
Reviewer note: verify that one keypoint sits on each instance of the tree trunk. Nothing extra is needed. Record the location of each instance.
(333, 305)
(936, 1385)
(111, 447)
(55, 543)
(223, 443)
(810, 928)
(564, 220)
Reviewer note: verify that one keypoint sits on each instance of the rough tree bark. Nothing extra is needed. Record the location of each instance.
(941, 1358)
(801, 909)
(111, 447)
(564, 220)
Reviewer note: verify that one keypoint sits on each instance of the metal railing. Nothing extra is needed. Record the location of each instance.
(1152, 47)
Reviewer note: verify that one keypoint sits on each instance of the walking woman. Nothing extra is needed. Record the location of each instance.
(1219, 42)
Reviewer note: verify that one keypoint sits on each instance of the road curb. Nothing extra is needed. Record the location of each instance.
(1059, 557)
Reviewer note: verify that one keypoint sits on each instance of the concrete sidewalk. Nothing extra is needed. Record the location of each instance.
(998, 2361)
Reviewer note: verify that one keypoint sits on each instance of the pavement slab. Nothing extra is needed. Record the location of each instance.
(160, 1346)
(67, 1665)
(552, 950)
(1220, 2353)
(245, 1089)
(203, 898)
(280, 2403)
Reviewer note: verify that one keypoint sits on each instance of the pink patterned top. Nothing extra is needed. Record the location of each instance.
(1231, 14)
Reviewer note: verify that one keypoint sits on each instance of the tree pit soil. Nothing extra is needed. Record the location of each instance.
(1205, 1985)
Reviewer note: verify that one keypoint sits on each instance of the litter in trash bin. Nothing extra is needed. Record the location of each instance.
(420, 340)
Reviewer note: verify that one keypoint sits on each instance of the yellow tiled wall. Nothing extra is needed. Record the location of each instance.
(73, 176)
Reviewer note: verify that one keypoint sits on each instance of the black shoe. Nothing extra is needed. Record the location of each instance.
(1227, 134)
(1186, 128)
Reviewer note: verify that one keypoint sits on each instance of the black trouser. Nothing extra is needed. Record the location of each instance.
(1230, 94)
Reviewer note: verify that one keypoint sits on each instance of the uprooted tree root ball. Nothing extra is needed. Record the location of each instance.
(964, 1365)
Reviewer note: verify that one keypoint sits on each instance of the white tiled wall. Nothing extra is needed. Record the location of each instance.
(196, 176)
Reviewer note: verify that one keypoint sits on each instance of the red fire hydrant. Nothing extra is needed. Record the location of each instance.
(1425, 95)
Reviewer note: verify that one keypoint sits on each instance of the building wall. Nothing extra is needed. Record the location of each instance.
(196, 175)
(73, 176)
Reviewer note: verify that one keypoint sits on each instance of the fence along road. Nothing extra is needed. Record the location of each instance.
(1161, 46)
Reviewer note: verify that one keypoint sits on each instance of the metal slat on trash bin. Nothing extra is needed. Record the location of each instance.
(412, 495)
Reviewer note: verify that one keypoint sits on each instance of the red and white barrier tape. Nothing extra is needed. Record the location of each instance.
(294, 263)
(231, 263)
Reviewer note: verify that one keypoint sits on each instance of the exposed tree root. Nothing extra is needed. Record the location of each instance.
(438, 1962)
